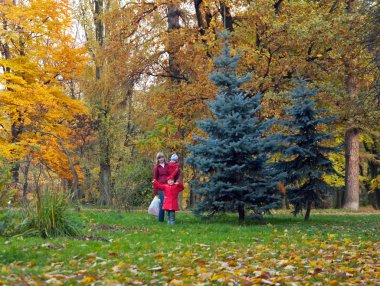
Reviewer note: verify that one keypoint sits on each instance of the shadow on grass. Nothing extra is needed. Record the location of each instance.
(277, 220)
(188, 219)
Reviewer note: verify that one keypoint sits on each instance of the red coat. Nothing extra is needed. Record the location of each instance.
(161, 175)
(170, 195)
(173, 170)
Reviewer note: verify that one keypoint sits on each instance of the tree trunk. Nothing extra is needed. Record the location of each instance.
(16, 172)
(99, 32)
(173, 24)
(351, 198)
(350, 4)
(282, 189)
(105, 145)
(25, 185)
(376, 199)
(99, 25)
(373, 171)
(283, 202)
(226, 16)
(308, 210)
(339, 198)
(204, 16)
(16, 130)
(105, 184)
(7, 54)
(130, 128)
(72, 168)
(241, 212)
(277, 6)
(104, 116)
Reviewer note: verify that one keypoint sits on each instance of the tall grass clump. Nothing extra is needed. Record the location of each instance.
(46, 216)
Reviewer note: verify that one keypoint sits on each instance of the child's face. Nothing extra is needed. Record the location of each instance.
(170, 182)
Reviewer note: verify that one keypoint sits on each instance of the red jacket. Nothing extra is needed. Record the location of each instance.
(170, 195)
(161, 175)
(173, 170)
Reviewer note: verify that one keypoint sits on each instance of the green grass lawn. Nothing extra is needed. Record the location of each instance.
(134, 249)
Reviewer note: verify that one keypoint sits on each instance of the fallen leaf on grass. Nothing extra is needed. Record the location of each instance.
(157, 268)
(88, 279)
(176, 282)
(54, 282)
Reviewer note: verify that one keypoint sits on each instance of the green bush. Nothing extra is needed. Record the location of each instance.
(7, 193)
(46, 216)
(133, 185)
(10, 223)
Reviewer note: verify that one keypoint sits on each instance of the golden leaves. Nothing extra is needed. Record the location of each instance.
(39, 48)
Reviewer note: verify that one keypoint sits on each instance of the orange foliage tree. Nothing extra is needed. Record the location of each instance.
(37, 53)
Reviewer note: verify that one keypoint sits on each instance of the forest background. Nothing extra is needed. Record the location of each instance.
(91, 90)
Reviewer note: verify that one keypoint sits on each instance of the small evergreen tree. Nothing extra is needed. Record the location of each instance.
(307, 159)
(232, 159)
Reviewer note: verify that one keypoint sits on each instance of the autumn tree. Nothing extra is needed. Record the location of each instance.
(121, 44)
(37, 51)
(323, 41)
(371, 143)
(357, 111)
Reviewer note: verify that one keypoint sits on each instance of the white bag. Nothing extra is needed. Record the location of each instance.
(154, 207)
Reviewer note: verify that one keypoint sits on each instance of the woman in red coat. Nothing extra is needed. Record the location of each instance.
(171, 191)
(160, 173)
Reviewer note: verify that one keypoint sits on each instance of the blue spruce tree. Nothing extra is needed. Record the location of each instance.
(233, 157)
(306, 158)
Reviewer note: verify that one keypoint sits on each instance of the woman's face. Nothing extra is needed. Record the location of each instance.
(161, 160)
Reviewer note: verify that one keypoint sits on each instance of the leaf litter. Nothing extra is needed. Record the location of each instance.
(288, 258)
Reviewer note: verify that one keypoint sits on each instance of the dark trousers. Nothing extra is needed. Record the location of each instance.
(161, 213)
(171, 217)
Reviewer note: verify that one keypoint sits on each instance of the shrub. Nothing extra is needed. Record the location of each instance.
(133, 185)
(10, 223)
(46, 216)
(7, 191)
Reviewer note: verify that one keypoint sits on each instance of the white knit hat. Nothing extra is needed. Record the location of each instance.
(174, 157)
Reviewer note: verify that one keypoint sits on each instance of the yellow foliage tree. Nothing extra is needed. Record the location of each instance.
(38, 51)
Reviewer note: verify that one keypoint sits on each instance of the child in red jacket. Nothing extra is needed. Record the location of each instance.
(171, 191)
